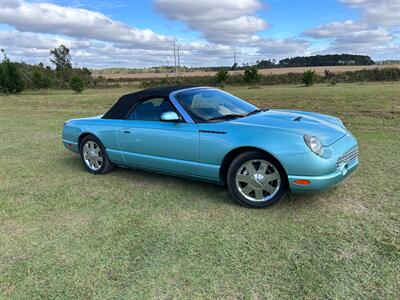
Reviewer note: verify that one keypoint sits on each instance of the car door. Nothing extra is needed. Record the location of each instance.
(148, 142)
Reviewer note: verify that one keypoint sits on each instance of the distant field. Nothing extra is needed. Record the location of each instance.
(67, 234)
(318, 70)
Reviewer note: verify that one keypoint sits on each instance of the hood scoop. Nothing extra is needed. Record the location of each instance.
(297, 118)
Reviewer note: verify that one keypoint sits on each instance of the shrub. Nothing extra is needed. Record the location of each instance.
(10, 77)
(308, 77)
(41, 80)
(251, 75)
(221, 76)
(329, 75)
(76, 84)
(333, 81)
(84, 74)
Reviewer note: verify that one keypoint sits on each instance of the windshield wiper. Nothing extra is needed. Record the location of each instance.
(226, 117)
(255, 112)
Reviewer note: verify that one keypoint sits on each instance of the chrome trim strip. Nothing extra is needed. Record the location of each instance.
(69, 142)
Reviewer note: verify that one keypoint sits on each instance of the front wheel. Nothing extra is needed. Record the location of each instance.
(256, 180)
(94, 156)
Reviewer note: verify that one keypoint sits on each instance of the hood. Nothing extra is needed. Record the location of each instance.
(328, 129)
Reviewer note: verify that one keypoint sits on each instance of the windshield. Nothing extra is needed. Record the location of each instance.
(212, 105)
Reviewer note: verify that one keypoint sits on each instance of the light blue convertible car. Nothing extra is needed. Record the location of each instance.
(208, 134)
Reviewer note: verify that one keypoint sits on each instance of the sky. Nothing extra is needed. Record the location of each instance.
(141, 33)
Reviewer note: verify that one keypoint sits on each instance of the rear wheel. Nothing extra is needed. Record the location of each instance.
(256, 180)
(94, 156)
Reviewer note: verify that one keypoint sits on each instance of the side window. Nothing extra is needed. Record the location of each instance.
(151, 109)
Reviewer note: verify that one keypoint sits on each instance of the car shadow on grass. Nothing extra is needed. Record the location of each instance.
(200, 189)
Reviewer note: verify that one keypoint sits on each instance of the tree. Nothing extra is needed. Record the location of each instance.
(221, 76)
(41, 80)
(61, 58)
(76, 84)
(265, 64)
(308, 77)
(251, 75)
(83, 73)
(62, 61)
(10, 76)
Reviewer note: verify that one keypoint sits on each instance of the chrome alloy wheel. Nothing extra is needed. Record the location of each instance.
(258, 180)
(92, 155)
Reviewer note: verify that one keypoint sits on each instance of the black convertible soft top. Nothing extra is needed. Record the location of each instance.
(120, 109)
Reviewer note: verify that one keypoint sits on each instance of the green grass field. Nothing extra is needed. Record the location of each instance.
(65, 233)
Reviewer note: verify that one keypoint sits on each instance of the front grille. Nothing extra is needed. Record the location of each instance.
(348, 157)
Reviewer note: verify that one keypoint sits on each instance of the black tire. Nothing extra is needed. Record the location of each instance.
(238, 162)
(106, 165)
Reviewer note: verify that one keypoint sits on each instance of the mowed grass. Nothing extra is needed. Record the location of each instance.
(65, 233)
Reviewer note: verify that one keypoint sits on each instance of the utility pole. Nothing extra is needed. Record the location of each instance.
(179, 62)
(234, 60)
(175, 58)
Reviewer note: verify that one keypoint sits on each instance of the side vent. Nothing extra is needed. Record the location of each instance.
(212, 131)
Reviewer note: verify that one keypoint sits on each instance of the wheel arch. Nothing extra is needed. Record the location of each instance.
(83, 135)
(231, 155)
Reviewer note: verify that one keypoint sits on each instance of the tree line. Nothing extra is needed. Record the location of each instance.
(15, 77)
(298, 61)
(309, 61)
(252, 76)
(327, 60)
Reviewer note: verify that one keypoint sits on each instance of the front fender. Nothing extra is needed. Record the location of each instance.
(215, 146)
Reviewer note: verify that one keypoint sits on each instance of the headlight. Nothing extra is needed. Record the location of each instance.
(314, 144)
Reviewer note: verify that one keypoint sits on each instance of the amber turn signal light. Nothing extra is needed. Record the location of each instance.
(302, 181)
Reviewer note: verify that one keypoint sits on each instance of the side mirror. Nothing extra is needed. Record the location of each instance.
(170, 116)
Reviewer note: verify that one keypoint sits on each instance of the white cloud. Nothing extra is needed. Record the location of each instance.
(231, 23)
(223, 21)
(34, 48)
(371, 34)
(334, 29)
(350, 35)
(12, 39)
(365, 38)
(96, 40)
(10, 3)
(380, 12)
(283, 47)
(76, 22)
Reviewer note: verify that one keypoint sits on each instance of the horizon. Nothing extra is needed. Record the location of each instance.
(141, 34)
